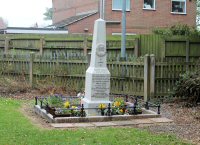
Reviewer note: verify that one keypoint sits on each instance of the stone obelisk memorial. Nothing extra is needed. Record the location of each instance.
(97, 84)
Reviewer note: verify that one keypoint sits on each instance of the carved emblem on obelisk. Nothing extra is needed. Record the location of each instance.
(101, 50)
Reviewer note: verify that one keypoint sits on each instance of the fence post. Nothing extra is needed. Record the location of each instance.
(152, 75)
(32, 56)
(187, 54)
(163, 50)
(136, 47)
(6, 45)
(146, 77)
(85, 45)
(41, 45)
(187, 51)
(88, 58)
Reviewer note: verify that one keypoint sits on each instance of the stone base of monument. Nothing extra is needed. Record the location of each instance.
(42, 112)
(90, 105)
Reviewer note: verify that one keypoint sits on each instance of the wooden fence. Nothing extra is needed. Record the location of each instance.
(142, 77)
(150, 44)
(79, 46)
(62, 47)
(70, 73)
(60, 61)
(170, 47)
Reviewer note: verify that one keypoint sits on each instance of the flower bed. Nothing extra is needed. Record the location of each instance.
(120, 107)
(61, 106)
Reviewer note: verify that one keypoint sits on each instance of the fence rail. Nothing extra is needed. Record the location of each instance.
(139, 45)
(146, 76)
(61, 47)
(63, 62)
(167, 73)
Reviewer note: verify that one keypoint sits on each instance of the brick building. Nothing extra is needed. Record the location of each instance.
(142, 16)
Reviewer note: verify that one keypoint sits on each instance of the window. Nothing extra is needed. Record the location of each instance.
(179, 6)
(149, 4)
(117, 5)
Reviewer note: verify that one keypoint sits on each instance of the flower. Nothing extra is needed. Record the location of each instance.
(121, 110)
(117, 103)
(74, 107)
(102, 106)
(67, 104)
(118, 106)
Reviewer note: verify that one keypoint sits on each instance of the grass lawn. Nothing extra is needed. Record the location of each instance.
(16, 129)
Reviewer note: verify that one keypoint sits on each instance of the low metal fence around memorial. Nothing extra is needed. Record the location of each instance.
(123, 107)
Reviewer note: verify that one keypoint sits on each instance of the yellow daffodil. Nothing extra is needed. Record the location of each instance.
(67, 104)
(121, 110)
(74, 107)
(102, 106)
(117, 103)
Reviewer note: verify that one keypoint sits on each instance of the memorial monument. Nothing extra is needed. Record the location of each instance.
(97, 84)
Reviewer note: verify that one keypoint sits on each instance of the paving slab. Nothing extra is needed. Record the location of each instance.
(139, 122)
(143, 121)
(161, 120)
(125, 123)
(62, 125)
(103, 124)
(82, 125)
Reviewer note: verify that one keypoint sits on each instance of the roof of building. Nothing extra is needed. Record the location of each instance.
(32, 30)
(72, 19)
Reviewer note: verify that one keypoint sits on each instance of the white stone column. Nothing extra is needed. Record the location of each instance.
(97, 84)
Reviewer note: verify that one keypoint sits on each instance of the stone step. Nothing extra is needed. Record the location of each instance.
(113, 123)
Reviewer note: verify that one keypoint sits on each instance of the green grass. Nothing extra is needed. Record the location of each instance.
(15, 128)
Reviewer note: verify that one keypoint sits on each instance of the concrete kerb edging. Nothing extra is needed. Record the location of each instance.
(43, 114)
(50, 119)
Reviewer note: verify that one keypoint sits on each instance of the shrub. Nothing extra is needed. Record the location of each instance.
(179, 29)
(162, 31)
(188, 86)
(55, 101)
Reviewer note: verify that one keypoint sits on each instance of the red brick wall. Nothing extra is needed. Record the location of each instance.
(64, 9)
(142, 21)
(138, 20)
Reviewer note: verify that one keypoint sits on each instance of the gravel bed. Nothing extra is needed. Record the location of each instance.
(186, 122)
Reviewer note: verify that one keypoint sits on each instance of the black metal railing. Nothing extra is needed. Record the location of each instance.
(149, 104)
(107, 111)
